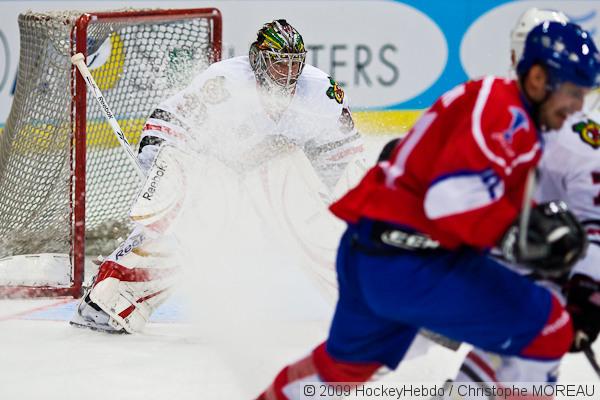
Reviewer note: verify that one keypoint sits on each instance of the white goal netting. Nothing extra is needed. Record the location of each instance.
(137, 58)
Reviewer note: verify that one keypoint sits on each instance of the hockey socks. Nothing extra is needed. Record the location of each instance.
(319, 366)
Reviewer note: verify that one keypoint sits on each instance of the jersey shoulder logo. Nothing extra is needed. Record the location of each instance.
(335, 92)
(589, 132)
(214, 91)
(192, 108)
(518, 121)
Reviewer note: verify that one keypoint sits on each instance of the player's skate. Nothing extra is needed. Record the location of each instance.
(89, 315)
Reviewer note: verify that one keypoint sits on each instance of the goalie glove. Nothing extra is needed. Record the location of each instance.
(583, 303)
(555, 240)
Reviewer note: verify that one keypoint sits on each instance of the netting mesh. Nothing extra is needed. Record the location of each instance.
(137, 63)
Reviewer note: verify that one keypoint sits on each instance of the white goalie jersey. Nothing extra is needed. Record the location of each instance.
(221, 116)
(221, 113)
(570, 171)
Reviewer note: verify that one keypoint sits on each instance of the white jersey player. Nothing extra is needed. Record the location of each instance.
(241, 111)
(569, 171)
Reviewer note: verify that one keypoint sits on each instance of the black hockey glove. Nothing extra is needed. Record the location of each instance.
(583, 303)
(555, 240)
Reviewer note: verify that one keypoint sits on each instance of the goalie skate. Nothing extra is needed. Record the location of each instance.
(89, 315)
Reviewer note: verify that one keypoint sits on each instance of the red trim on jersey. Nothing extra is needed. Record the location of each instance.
(345, 153)
(163, 129)
(556, 336)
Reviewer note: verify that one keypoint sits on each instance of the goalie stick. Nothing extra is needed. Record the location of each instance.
(79, 61)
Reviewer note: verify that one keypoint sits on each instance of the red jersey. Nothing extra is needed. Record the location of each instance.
(459, 174)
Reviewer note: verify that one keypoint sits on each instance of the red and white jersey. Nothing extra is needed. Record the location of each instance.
(570, 171)
(459, 174)
(222, 113)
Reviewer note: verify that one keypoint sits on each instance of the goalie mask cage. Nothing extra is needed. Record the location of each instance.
(65, 185)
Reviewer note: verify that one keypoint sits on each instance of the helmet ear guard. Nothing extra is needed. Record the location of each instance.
(253, 56)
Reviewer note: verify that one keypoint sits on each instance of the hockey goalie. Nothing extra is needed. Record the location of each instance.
(241, 112)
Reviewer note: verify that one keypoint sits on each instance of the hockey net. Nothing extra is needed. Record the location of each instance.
(65, 185)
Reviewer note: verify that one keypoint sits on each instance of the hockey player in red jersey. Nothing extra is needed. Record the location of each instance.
(420, 225)
(567, 172)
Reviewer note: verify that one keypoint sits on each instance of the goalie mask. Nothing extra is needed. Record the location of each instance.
(277, 56)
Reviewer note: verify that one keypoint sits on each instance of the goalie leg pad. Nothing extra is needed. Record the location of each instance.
(130, 295)
(132, 282)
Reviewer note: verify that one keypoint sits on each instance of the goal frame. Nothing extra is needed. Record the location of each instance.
(79, 128)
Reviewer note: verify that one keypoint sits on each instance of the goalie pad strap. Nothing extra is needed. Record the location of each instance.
(111, 269)
(130, 295)
(127, 312)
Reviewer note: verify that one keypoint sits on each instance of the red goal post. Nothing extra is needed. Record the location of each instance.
(65, 186)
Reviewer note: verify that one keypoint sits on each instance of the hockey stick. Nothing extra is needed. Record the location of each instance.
(591, 356)
(79, 61)
(440, 339)
(526, 213)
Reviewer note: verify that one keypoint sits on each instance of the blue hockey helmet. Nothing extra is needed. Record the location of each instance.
(566, 51)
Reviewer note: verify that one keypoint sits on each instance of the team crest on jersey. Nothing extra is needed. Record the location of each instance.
(214, 90)
(589, 132)
(518, 121)
(335, 92)
(193, 108)
(188, 102)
